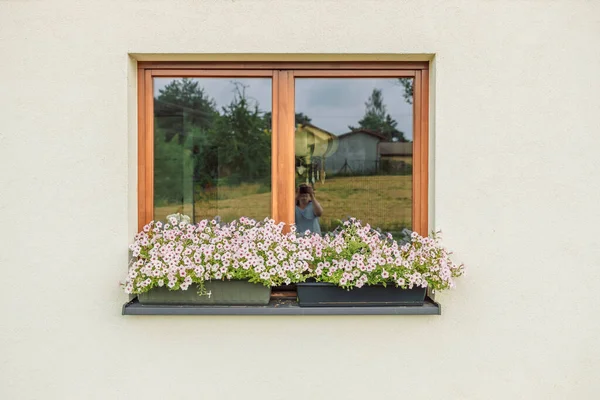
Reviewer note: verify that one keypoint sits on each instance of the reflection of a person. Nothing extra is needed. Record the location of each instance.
(308, 210)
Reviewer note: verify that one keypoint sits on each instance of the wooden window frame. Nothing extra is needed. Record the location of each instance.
(283, 76)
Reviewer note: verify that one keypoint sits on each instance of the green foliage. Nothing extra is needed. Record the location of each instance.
(171, 160)
(300, 118)
(356, 255)
(178, 254)
(184, 115)
(408, 85)
(182, 104)
(197, 147)
(377, 119)
(242, 139)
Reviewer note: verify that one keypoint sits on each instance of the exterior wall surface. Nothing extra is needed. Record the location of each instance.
(514, 187)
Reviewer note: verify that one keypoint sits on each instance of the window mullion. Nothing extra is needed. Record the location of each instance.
(282, 200)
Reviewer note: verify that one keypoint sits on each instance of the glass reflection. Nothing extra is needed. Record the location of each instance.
(354, 152)
(212, 148)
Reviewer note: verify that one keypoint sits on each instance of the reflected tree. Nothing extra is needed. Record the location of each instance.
(378, 120)
(196, 146)
(181, 104)
(242, 138)
(300, 118)
(183, 115)
(407, 85)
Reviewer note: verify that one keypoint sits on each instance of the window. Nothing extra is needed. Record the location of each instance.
(237, 139)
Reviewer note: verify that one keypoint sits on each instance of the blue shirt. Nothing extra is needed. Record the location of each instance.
(307, 220)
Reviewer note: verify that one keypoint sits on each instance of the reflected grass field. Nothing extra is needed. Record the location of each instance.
(382, 201)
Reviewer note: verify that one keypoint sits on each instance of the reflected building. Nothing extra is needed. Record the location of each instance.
(360, 152)
(314, 147)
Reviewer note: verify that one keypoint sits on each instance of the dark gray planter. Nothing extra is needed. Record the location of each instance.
(222, 293)
(319, 294)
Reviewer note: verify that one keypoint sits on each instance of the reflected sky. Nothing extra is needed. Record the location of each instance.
(332, 103)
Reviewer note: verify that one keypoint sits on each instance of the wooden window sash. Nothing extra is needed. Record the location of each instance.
(210, 73)
(420, 189)
(283, 115)
(283, 151)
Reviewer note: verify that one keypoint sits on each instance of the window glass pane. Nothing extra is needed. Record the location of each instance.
(354, 146)
(212, 147)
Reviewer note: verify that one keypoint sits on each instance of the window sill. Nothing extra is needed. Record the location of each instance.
(279, 307)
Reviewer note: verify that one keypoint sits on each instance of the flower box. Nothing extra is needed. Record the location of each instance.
(347, 267)
(219, 293)
(321, 294)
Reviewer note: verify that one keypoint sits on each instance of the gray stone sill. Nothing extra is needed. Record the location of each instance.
(279, 307)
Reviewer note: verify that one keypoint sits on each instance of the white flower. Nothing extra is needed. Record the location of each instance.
(178, 219)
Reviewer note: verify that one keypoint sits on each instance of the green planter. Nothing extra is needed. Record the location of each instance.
(221, 293)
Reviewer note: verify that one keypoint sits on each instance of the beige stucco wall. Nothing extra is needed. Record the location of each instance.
(515, 190)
